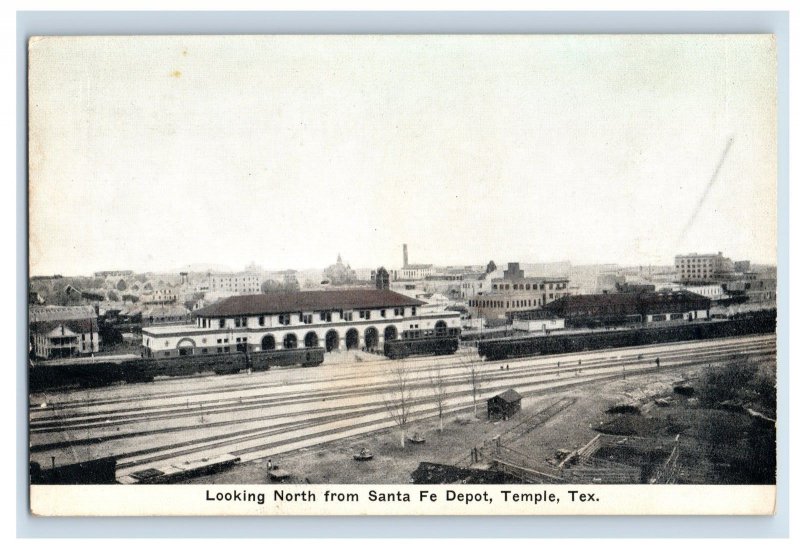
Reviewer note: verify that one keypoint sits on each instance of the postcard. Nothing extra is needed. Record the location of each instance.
(402, 274)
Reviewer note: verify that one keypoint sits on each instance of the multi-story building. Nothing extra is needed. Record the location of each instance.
(703, 268)
(333, 319)
(235, 283)
(159, 296)
(478, 284)
(515, 292)
(59, 332)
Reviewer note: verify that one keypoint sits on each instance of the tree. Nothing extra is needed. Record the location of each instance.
(121, 285)
(269, 286)
(439, 388)
(491, 267)
(113, 296)
(290, 283)
(398, 398)
(474, 367)
(382, 279)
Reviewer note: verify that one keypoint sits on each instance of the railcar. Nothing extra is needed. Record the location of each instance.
(419, 342)
(504, 348)
(102, 372)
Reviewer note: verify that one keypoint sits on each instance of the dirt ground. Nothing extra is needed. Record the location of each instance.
(570, 429)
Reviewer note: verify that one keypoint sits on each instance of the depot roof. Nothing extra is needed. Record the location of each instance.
(288, 302)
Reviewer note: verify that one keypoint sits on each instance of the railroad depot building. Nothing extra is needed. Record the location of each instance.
(582, 310)
(333, 319)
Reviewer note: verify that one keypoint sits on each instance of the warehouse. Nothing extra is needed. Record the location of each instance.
(333, 319)
(607, 309)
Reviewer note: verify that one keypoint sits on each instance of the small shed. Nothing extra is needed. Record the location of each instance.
(504, 405)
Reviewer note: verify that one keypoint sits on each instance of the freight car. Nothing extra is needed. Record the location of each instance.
(501, 349)
(418, 342)
(101, 372)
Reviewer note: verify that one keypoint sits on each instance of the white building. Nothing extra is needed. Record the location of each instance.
(333, 319)
(231, 283)
(714, 292)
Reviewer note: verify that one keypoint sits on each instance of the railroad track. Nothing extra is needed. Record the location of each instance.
(287, 431)
(178, 398)
(262, 403)
(176, 387)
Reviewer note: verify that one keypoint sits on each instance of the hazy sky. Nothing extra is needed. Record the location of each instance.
(149, 153)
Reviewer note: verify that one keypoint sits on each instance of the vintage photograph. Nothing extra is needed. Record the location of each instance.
(402, 260)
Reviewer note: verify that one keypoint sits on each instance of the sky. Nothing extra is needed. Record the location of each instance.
(151, 153)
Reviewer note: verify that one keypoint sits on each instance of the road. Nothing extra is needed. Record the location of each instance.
(268, 413)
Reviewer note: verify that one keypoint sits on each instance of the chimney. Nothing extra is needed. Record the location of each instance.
(405, 256)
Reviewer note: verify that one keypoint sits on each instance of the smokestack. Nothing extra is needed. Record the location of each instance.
(405, 256)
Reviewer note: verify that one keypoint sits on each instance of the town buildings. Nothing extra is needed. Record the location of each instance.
(414, 271)
(333, 319)
(159, 296)
(515, 292)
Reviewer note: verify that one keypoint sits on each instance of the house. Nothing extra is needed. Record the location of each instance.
(58, 332)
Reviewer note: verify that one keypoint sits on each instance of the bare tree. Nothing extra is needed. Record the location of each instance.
(474, 367)
(439, 387)
(398, 398)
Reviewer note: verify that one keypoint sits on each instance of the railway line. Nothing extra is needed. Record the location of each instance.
(274, 412)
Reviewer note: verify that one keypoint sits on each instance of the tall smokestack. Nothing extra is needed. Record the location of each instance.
(405, 256)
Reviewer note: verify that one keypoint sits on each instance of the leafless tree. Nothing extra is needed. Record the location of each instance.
(439, 388)
(398, 398)
(474, 367)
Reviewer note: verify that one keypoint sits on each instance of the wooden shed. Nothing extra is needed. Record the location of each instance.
(504, 405)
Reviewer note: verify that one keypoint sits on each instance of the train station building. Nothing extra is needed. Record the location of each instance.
(332, 319)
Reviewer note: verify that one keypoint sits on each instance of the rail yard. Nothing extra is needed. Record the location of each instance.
(268, 414)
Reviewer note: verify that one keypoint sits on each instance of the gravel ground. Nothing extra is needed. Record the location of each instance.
(572, 428)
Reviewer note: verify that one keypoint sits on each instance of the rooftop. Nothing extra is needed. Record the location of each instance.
(287, 302)
(509, 395)
(52, 312)
(628, 302)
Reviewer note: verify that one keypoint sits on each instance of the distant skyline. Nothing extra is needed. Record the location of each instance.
(148, 153)
(201, 267)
